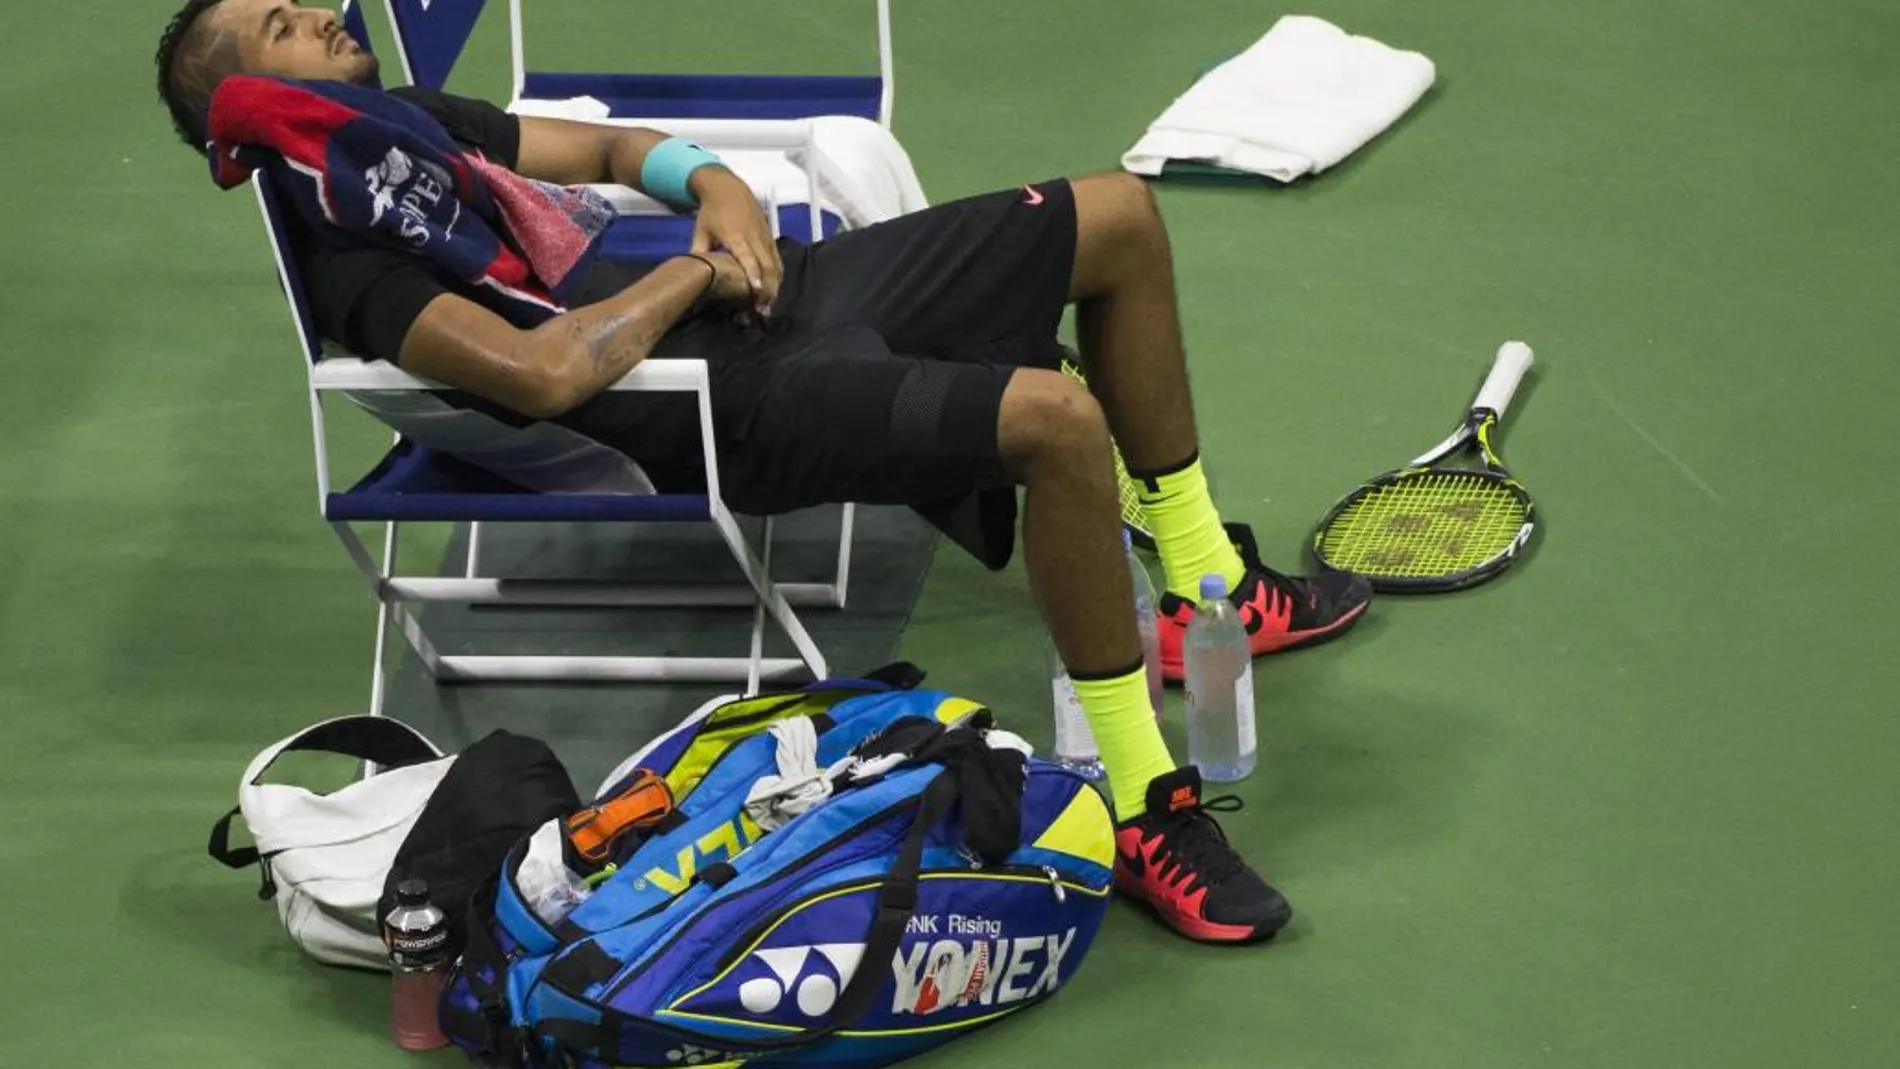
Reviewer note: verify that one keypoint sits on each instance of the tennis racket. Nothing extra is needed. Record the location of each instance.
(1432, 527)
(1133, 518)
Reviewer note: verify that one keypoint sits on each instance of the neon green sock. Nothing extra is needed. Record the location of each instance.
(1123, 724)
(1187, 530)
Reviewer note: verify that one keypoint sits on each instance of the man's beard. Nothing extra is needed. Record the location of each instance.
(367, 71)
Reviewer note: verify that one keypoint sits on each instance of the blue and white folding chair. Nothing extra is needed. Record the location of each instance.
(431, 34)
(713, 96)
(418, 481)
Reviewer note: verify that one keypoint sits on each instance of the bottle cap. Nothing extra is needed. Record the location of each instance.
(1213, 585)
(412, 892)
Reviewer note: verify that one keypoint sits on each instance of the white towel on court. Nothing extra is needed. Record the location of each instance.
(1303, 98)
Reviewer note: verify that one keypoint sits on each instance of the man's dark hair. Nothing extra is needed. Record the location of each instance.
(192, 59)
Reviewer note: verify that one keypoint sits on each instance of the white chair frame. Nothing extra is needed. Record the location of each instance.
(335, 371)
(517, 53)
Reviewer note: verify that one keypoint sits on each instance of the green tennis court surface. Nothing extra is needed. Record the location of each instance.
(1630, 807)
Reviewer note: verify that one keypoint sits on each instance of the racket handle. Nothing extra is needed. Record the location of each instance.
(1514, 358)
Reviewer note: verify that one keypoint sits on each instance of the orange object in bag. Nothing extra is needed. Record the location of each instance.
(640, 807)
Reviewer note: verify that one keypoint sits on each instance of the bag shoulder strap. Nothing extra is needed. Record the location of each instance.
(376, 739)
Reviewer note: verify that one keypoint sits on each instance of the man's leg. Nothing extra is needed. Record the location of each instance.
(1170, 854)
(1129, 328)
(1128, 321)
(1052, 435)
(1002, 266)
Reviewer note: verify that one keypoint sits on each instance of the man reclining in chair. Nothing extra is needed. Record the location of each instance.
(912, 362)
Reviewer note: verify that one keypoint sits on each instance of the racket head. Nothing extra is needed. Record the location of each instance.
(1134, 517)
(1424, 529)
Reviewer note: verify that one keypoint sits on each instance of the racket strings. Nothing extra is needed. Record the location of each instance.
(1426, 525)
(1134, 517)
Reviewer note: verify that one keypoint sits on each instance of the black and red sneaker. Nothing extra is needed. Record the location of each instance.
(1280, 612)
(1175, 859)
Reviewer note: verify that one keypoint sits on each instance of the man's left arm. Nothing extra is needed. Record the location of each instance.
(729, 217)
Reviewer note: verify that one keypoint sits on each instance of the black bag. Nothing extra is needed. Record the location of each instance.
(498, 790)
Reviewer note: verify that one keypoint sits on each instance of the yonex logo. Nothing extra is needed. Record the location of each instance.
(938, 975)
(812, 975)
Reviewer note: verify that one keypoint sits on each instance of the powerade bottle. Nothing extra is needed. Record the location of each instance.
(417, 935)
(1146, 624)
(1220, 715)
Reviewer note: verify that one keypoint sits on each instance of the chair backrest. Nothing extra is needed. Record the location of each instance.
(431, 34)
(538, 455)
(289, 275)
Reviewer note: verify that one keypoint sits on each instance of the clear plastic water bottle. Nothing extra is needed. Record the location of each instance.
(1075, 743)
(1220, 713)
(417, 935)
(1146, 624)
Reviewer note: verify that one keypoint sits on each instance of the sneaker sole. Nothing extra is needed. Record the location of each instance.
(1202, 931)
(1175, 673)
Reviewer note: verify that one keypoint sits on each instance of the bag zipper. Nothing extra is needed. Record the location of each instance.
(1055, 885)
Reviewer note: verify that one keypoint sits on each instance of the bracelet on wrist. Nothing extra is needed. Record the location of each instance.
(712, 279)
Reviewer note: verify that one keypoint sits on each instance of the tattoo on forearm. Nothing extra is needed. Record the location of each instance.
(617, 336)
(604, 337)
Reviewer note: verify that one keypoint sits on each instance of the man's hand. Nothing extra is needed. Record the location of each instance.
(728, 283)
(730, 219)
(572, 153)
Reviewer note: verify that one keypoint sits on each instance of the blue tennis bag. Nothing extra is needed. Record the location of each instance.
(846, 875)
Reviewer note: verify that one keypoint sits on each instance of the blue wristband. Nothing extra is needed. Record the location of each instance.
(668, 166)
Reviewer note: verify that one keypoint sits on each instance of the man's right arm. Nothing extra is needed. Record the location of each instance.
(549, 369)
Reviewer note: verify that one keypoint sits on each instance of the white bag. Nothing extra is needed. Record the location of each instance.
(325, 857)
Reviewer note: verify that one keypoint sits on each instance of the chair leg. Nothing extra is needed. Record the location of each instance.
(474, 549)
(846, 522)
(393, 594)
(758, 613)
(379, 679)
(390, 607)
(772, 599)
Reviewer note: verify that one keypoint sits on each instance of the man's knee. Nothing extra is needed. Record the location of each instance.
(1117, 204)
(1047, 419)
(1118, 232)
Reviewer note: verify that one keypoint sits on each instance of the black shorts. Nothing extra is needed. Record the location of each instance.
(881, 378)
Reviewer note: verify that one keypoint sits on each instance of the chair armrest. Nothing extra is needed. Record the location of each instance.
(627, 200)
(350, 373)
(784, 135)
(728, 135)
